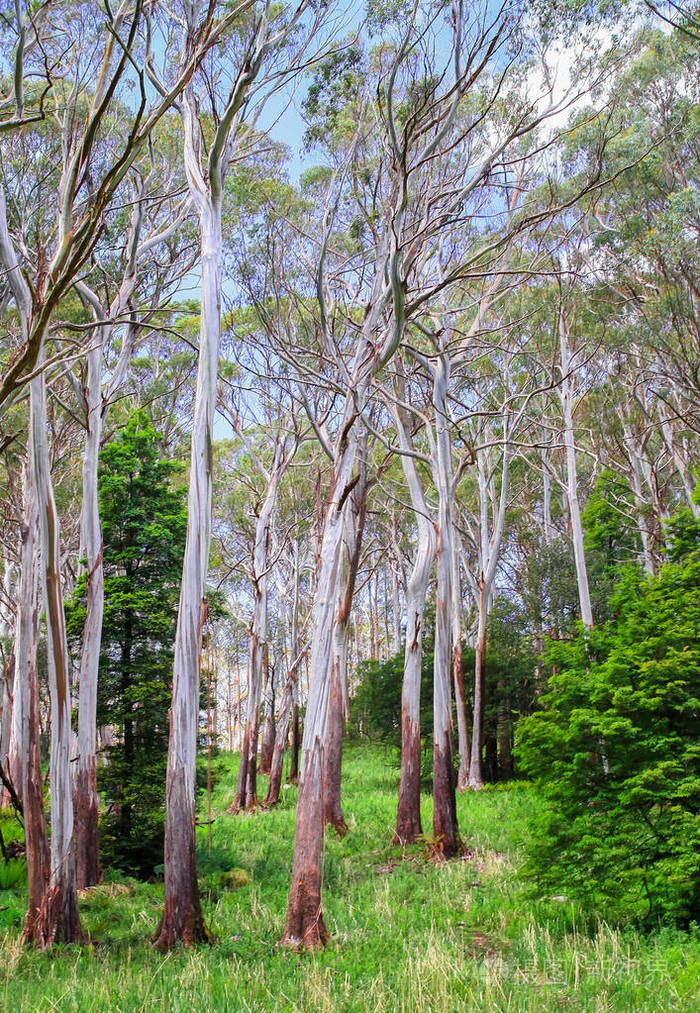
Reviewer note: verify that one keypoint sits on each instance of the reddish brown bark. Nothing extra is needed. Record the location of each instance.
(267, 745)
(36, 842)
(295, 739)
(333, 746)
(87, 871)
(304, 926)
(408, 820)
(277, 763)
(267, 739)
(333, 754)
(275, 783)
(461, 706)
(445, 831)
(182, 919)
(476, 775)
(246, 796)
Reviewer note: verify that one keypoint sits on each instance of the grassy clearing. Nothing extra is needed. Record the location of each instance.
(407, 935)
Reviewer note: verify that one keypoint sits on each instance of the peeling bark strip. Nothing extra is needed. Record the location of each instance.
(304, 926)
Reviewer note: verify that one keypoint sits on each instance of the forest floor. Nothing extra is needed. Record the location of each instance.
(408, 934)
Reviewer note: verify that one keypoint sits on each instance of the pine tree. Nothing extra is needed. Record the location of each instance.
(144, 521)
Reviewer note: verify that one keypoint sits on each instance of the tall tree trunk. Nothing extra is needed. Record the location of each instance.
(86, 801)
(408, 818)
(355, 511)
(445, 829)
(182, 919)
(304, 924)
(640, 505)
(396, 609)
(58, 916)
(36, 842)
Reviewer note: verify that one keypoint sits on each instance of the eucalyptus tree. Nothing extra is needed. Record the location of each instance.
(408, 187)
(154, 222)
(261, 50)
(86, 171)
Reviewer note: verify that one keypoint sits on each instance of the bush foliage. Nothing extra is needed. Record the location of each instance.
(616, 753)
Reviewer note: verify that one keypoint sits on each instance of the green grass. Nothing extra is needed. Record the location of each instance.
(407, 934)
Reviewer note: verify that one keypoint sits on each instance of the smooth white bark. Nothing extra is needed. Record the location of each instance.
(566, 395)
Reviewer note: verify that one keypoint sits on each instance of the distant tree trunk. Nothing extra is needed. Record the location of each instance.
(294, 738)
(681, 459)
(288, 696)
(246, 789)
(86, 801)
(126, 682)
(504, 730)
(631, 441)
(58, 916)
(490, 547)
(10, 724)
(267, 742)
(476, 777)
(277, 763)
(445, 829)
(457, 677)
(546, 496)
(491, 757)
(565, 393)
(7, 691)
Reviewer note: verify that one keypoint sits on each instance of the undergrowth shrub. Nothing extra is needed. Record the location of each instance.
(616, 753)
